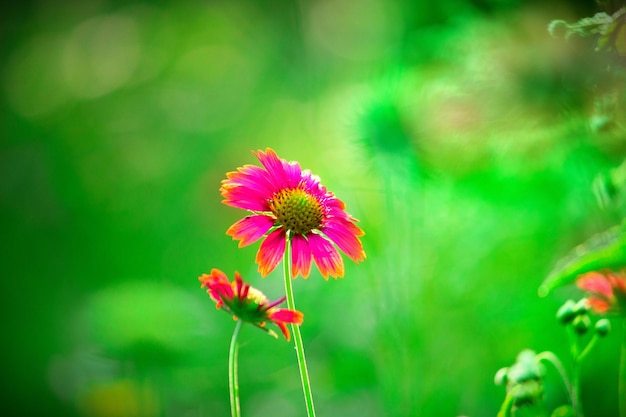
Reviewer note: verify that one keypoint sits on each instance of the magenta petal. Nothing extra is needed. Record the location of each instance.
(293, 173)
(244, 198)
(274, 303)
(271, 251)
(344, 235)
(252, 177)
(336, 208)
(274, 166)
(311, 182)
(301, 256)
(250, 229)
(326, 257)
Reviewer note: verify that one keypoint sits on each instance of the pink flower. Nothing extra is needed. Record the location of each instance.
(247, 303)
(607, 290)
(287, 202)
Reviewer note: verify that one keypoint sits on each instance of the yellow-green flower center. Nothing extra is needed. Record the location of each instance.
(254, 295)
(296, 210)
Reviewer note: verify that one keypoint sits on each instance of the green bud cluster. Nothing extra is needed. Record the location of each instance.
(523, 379)
(576, 314)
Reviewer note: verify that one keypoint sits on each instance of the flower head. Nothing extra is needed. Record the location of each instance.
(607, 291)
(524, 379)
(287, 202)
(247, 303)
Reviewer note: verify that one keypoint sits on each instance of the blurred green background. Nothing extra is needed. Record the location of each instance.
(462, 135)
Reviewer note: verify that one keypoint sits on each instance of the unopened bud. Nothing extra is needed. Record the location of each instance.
(567, 312)
(603, 327)
(582, 306)
(501, 376)
(581, 324)
(528, 393)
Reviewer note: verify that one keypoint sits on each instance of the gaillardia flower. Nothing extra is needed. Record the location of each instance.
(607, 291)
(247, 303)
(287, 202)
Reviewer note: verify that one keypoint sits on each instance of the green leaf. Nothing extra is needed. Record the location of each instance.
(606, 250)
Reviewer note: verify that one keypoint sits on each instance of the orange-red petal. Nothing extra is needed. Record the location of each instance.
(271, 251)
(287, 316)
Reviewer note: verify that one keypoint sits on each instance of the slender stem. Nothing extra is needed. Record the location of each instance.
(588, 348)
(575, 392)
(554, 360)
(578, 409)
(233, 380)
(505, 409)
(297, 337)
(573, 342)
(622, 374)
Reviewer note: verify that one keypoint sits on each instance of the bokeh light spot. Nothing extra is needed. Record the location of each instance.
(101, 55)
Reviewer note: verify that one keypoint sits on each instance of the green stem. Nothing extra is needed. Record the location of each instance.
(578, 410)
(554, 360)
(233, 380)
(621, 389)
(573, 342)
(588, 348)
(297, 337)
(505, 409)
(576, 354)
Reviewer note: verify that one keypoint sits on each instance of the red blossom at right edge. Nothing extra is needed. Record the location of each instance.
(607, 291)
